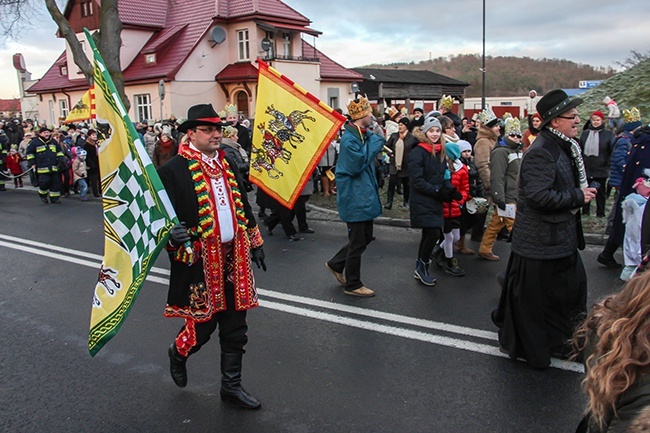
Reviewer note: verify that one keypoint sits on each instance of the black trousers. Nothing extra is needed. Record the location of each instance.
(232, 329)
(601, 197)
(93, 183)
(348, 259)
(393, 180)
(429, 239)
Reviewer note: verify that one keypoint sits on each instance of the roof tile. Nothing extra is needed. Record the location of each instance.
(329, 69)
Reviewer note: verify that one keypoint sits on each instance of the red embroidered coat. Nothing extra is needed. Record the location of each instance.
(197, 284)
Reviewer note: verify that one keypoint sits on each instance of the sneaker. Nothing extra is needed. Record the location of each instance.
(454, 269)
(362, 292)
(339, 276)
(294, 238)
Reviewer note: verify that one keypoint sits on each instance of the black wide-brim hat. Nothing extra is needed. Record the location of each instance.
(202, 114)
(555, 103)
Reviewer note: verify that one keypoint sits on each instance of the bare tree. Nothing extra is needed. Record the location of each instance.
(107, 39)
(634, 59)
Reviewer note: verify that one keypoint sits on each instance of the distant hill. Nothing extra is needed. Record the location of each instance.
(508, 76)
(629, 88)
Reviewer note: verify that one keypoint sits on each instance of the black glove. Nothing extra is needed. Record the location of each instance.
(501, 205)
(257, 256)
(455, 195)
(178, 235)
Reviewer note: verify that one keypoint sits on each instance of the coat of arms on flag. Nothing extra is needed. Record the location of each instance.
(137, 212)
(83, 109)
(292, 131)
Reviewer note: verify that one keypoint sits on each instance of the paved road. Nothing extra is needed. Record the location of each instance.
(411, 359)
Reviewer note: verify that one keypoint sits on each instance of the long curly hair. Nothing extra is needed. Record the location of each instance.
(616, 337)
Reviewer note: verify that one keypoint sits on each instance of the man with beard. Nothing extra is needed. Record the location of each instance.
(544, 294)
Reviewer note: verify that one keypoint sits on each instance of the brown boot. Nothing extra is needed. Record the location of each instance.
(461, 248)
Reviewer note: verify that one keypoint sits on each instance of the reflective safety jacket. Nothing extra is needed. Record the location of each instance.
(44, 155)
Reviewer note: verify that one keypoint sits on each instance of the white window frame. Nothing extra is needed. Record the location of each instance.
(142, 107)
(50, 106)
(286, 44)
(243, 48)
(64, 108)
(86, 9)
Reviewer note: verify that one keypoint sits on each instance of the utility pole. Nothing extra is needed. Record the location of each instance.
(483, 68)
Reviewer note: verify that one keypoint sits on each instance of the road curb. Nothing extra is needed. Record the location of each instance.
(332, 215)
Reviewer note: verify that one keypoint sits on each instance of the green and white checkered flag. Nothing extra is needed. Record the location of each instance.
(137, 212)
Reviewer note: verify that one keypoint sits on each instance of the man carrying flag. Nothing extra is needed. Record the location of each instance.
(211, 280)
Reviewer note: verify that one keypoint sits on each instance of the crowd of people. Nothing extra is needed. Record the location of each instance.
(451, 173)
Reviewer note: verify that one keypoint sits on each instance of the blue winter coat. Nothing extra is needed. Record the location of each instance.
(622, 146)
(358, 192)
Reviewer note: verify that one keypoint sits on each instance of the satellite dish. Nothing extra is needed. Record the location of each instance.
(218, 35)
(266, 44)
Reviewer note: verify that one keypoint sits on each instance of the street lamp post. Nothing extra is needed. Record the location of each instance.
(483, 66)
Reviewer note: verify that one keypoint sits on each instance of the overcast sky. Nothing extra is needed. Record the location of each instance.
(356, 33)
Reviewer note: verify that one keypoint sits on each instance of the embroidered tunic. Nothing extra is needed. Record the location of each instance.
(207, 198)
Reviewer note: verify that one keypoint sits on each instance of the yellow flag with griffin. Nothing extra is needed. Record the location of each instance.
(292, 130)
(83, 109)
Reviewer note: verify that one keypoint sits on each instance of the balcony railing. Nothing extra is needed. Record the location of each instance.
(270, 57)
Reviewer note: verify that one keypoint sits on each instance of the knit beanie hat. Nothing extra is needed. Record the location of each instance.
(430, 123)
(453, 151)
(464, 145)
(599, 114)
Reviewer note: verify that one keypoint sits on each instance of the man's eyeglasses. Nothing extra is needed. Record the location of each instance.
(209, 130)
(574, 117)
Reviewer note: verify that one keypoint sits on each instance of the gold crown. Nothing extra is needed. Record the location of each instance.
(230, 110)
(486, 116)
(359, 108)
(222, 114)
(447, 102)
(229, 131)
(513, 126)
(631, 115)
(391, 111)
(507, 115)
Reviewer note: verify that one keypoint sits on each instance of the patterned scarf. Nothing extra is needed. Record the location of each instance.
(576, 154)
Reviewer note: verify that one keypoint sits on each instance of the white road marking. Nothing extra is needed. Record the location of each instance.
(94, 261)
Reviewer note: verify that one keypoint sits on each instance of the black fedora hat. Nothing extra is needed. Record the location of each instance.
(202, 114)
(555, 103)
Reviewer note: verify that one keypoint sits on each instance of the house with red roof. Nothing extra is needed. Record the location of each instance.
(197, 51)
(9, 108)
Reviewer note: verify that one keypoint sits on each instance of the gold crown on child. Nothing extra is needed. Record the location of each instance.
(632, 115)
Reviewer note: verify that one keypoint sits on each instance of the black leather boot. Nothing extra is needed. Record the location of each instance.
(177, 366)
(231, 389)
(606, 257)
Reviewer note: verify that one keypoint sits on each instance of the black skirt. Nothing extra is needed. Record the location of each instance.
(542, 301)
